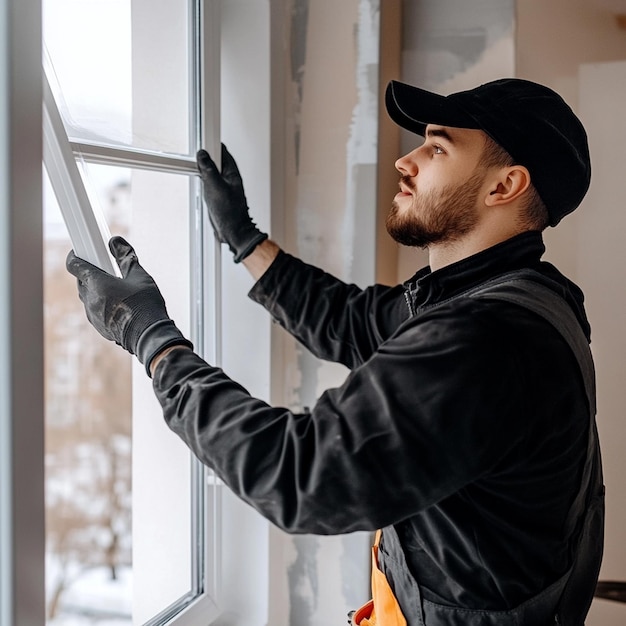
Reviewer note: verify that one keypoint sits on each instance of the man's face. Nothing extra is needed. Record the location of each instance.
(440, 186)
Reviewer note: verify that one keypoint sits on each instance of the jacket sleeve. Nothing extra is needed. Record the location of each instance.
(336, 321)
(412, 425)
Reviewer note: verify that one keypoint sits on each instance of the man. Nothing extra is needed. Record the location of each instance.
(465, 428)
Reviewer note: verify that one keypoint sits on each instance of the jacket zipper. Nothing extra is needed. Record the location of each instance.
(407, 297)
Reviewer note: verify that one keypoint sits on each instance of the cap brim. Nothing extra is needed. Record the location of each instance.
(413, 109)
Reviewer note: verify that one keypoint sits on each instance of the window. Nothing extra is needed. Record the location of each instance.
(117, 173)
(130, 95)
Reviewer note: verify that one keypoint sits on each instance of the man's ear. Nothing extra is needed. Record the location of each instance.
(507, 184)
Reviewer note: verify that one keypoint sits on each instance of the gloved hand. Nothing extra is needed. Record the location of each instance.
(128, 310)
(227, 206)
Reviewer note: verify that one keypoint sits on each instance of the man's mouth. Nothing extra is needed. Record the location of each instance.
(403, 194)
(405, 190)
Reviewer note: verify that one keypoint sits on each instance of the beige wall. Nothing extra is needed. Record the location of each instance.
(600, 272)
(388, 139)
(553, 39)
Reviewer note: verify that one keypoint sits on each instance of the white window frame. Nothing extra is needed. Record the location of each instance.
(89, 236)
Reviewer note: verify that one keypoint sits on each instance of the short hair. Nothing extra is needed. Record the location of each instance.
(535, 215)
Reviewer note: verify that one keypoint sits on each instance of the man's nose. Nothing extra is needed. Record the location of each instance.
(407, 165)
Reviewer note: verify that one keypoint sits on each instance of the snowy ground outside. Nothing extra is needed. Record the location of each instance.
(94, 599)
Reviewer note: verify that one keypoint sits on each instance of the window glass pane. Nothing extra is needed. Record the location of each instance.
(88, 443)
(162, 492)
(118, 482)
(121, 71)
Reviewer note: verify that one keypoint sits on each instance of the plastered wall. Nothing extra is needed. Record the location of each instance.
(450, 45)
(328, 57)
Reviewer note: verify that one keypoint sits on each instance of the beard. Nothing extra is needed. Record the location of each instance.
(436, 217)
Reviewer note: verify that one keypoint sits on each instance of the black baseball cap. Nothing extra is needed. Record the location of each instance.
(530, 121)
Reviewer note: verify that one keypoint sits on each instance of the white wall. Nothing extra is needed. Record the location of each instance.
(246, 113)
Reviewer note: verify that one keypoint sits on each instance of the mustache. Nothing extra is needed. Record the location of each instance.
(408, 182)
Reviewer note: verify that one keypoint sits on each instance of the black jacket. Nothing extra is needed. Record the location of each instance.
(463, 426)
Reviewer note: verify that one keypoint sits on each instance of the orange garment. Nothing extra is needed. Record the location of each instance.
(383, 609)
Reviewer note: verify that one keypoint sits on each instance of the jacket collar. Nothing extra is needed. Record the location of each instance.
(522, 251)
(519, 252)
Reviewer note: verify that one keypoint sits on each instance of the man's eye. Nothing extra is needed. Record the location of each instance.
(438, 150)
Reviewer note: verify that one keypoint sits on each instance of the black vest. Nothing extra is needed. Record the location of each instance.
(567, 600)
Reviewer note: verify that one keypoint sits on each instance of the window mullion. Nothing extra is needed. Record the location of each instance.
(133, 158)
(207, 80)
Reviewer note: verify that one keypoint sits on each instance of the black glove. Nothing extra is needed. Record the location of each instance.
(227, 206)
(128, 310)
